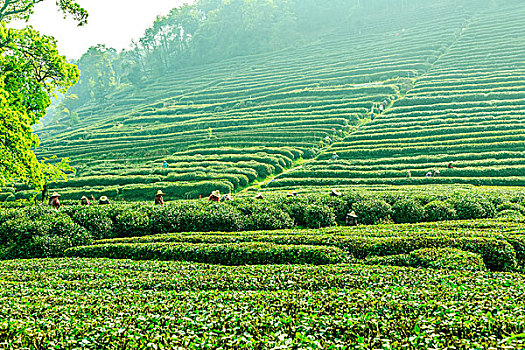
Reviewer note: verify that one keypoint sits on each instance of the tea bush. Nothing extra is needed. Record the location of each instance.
(95, 220)
(225, 254)
(439, 211)
(373, 211)
(194, 216)
(447, 258)
(46, 236)
(267, 216)
(318, 215)
(468, 208)
(132, 222)
(511, 206)
(407, 211)
(435, 258)
(511, 214)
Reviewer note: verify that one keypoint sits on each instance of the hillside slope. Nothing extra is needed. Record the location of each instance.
(225, 125)
(467, 108)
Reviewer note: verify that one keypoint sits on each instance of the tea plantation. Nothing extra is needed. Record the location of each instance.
(425, 269)
(434, 262)
(449, 284)
(89, 304)
(452, 77)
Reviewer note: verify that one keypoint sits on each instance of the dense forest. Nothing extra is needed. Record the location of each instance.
(209, 31)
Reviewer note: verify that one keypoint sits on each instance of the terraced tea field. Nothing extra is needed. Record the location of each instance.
(424, 263)
(468, 107)
(115, 303)
(249, 274)
(227, 125)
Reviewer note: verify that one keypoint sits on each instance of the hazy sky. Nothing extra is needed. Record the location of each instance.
(111, 22)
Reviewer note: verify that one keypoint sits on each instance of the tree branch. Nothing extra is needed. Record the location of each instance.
(4, 14)
(2, 10)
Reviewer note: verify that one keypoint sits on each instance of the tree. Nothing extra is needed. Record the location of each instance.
(166, 41)
(244, 27)
(98, 77)
(31, 71)
(23, 9)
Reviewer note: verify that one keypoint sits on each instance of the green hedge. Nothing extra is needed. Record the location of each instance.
(45, 234)
(437, 258)
(237, 180)
(94, 181)
(498, 254)
(477, 181)
(224, 254)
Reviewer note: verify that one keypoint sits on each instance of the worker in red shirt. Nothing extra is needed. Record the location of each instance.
(53, 201)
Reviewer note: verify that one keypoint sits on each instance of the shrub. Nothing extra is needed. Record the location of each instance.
(488, 207)
(372, 211)
(48, 236)
(195, 216)
(37, 212)
(263, 216)
(6, 196)
(407, 211)
(95, 220)
(211, 217)
(339, 205)
(7, 214)
(389, 260)
(318, 215)
(446, 258)
(510, 206)
(439, 211)
(497, 255)
(165, 219)
(468, 208)
(225, 254)
(132, 222)
(510, 214)
(436, 258)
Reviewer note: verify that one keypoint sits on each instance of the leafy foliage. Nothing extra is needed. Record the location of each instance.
(44, 236)
(23, 9)
(373, 211)
(282, 305)
(407, 211)
(31, 70)
(437, 258)
(438, 211)
(224, 254)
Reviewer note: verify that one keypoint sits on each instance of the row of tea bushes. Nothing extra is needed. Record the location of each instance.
(250, 253)
(498, 252)
(189, 175)
(277, 211)
(467, 107)
(437, 258)
(272, 109)
(38, 232)
(38, 226)
(102, 303)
